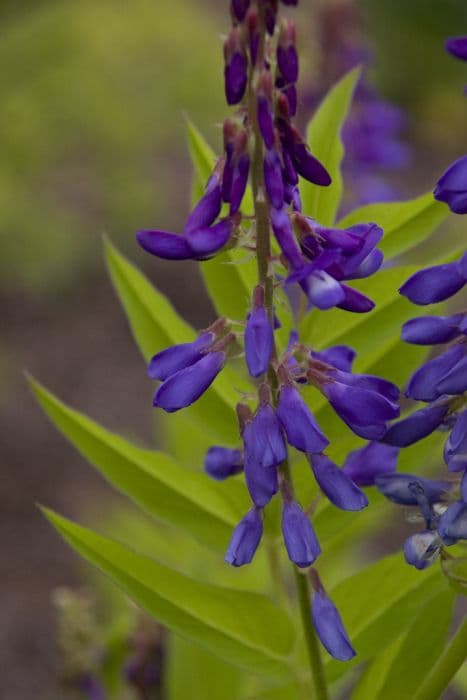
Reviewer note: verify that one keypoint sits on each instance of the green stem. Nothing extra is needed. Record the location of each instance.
(318, 678)
(263, 254)
(445, 667)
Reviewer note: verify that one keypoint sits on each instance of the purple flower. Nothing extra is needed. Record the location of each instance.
(198, 244)
(416, 426)
(337, 485)
(299, 424)
(259, 336)
(308, 166)
(367, 463)
(287, 58)
(186, 386)
(177, 357)
(435, 284)
(222, 462)
(329, 627)
(239, 9)
(431, 330)
(455, 381)
(363, 402)
(245, 539)
(452, 187)
(262, 482)
(452, 524)
(240, 172)
(265, 120)
(457, 46)
(165, 245)
(403, 488)
(268, 444)
(426, 384)
(92, 687)
(273, 179)
(283, 232)
(355, 301)
(236, 68)
(455, 449)
(299, 537)
(207, 241)
(422, 549)
(339, 356)
(208, 208)
(463, 487)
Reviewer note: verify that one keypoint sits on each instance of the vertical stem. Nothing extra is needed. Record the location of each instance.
(263, 254)
(445, 667)
(318, 678)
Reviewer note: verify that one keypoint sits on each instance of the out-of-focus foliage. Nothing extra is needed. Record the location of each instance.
(380, 603)
(92, 98)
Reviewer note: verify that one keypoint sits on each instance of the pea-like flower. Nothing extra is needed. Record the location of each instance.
(245, 539)
(186, 386)
(417, 425)
(299, 423)
(337, 485)
(422, 549)
(222, 462)
(432, 330)
(403, 489)
(437, 283)
(299, 537)
(330, 628)
(455, 449)
(364, 465)
(259, 336)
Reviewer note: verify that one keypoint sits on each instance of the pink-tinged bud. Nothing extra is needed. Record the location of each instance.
(244, 416)
(259, 336)
(265, 113)
(239, 9)
(240, 171)
(287, 58)
(273, 179)
(236, 68)
(253, 33)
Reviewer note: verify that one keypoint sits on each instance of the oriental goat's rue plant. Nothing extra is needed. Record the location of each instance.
(261, 70)
(290, 399)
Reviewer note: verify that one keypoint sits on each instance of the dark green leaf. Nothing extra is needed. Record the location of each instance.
(324, 139)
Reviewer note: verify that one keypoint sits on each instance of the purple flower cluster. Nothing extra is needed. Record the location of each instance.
(262, 145)
(321, 259)
(441, 383)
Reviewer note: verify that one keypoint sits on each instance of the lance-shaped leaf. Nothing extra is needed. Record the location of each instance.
(155, 325)
(399, 672)
(202, 157)
(244, 628)
(405, 224)
(377, 602)
(324, 140)
(154, 322)
(181, 497)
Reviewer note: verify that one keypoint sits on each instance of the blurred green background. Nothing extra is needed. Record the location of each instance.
(93, 98)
